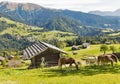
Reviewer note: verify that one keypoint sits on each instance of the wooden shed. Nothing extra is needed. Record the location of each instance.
(39, 50)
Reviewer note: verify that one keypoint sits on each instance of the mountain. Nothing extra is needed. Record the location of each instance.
(52, 19)
(10, 35)
(38, 16)
(106, 13)
(21, 25)
(17, 36)
(95, 21)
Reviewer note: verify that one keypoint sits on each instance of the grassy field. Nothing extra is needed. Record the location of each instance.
(85, 75)
(94, 50)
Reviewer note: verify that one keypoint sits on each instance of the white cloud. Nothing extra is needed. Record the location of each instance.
(79, 5)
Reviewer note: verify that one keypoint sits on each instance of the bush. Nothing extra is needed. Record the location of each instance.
(4, 63)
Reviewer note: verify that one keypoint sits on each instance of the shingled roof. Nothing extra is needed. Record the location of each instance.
(38, 48)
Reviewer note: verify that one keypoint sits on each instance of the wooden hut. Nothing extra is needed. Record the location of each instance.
(39, 50)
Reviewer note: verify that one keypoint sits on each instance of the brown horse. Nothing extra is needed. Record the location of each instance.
(118, 55)
(70, 61)
(105, 58)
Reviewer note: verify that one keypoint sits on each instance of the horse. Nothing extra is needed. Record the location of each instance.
(90, 60)
(105, 58)
(118, 55)
(70, 61)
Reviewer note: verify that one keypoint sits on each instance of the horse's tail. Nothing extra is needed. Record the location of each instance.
(115, 58)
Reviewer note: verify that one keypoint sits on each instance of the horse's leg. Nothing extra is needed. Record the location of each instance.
(76, 65)
(70, 66)
(98, 60)
(104, 61)
(86, 62)
(111, 60)
(89, 62)
(60, 65)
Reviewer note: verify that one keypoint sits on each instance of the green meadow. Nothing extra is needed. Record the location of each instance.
(85, 75)
(94, 50)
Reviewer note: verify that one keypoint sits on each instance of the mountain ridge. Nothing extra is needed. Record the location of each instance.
(63, 20)
(53, 25)
(25, 6)
(106, 13)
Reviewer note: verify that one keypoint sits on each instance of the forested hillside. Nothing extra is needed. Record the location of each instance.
(15, 35)
(56, 27)
(52, 19)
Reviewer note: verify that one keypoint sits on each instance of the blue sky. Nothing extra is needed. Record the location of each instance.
(77, 5)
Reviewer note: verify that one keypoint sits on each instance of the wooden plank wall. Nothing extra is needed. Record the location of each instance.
(51, 58)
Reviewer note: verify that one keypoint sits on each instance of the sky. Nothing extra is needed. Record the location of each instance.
(76, 5)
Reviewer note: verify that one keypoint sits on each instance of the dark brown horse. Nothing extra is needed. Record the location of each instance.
(70, 61)
(118, 55)
(105, 58)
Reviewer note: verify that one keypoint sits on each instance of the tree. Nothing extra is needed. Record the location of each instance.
(57, 43)
(113, 48)
(61, 44)
(104, 48)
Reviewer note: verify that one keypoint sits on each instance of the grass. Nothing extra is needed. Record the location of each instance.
(94, 50)
(86, 75)
(62, 36)
(114, 34)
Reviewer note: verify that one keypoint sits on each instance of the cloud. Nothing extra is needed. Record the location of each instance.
(59, 2)
(79, 5)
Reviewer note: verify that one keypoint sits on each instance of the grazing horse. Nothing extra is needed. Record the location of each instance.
(90, 60)
(118, 55)
(70, 61)
(105, 58)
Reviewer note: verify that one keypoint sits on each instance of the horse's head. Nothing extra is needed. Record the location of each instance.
(79, 63)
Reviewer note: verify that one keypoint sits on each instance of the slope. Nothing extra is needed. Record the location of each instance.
(51, 19)
(15, 35)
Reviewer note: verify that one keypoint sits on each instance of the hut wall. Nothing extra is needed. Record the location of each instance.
(51, 58)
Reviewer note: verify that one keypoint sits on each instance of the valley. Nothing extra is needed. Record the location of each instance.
(34, 38)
